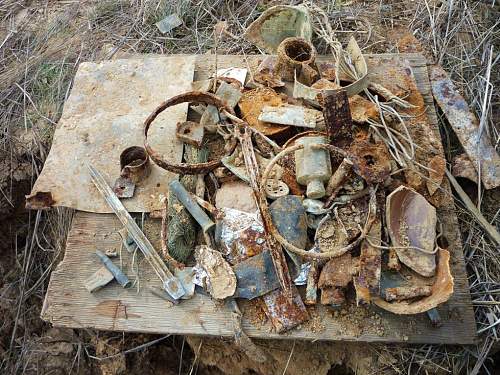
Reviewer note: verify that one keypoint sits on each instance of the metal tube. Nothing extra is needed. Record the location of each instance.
(115, 270)
(191, 205)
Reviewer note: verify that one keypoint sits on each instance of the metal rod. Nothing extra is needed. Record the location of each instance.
(171, 284)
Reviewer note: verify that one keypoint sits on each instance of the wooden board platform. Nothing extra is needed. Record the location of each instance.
(68, 304)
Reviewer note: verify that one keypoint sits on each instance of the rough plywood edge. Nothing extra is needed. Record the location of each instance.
(460, 299)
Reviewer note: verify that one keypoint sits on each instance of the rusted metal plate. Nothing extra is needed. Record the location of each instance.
(466, 127)
(104, 115)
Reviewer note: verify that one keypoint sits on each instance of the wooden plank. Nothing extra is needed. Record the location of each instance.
(68, 304)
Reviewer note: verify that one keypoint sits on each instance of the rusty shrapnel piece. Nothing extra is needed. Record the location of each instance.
(371, 160)
(41, 200)
(189, 97)
(296, 54)
(441, 291)
(338, 119)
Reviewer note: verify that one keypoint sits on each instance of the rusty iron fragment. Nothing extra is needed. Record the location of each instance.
(255, 276)
(462, 166)
(244, 136)
(437, 165)
(477, 145)
(312, 284)
(183, 168)
(288, 114)
(41, 200)
(283, 312)
(265, 74)
(220, 280)
(190, 132)
(338, 120)
(296, 56)
(334, 278)
(367, 283)
(251, 104)
(276, 24)
(337, 180)
(135, 167)
(402, 293)
(337, 272)
(441, 291)
(392, 260)
(371, 160)
(411, 222)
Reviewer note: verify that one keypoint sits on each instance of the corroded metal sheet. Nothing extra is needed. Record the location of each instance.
(466, 126)
(104, 115)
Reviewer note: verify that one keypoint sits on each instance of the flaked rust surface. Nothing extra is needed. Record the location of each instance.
(466, 126)
(338, 120)
(371, 160)
(402, 293)
(441, 291)
(285, 313)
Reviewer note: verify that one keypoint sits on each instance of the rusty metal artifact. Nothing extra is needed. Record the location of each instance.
(189, 97)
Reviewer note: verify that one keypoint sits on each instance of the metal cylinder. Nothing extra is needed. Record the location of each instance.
(115, 270)
(191, 205)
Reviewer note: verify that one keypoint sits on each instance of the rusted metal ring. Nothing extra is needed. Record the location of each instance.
(188, 97)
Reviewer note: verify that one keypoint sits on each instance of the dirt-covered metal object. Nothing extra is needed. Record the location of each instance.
(367, 283)
(220, 280)
(402, 293)
(370, 160)
(411, 222)
(285, 313)
(466, 126)
(278, 23)
(436, 166)
(189, 97)
(296, 56)
(255, 276)
(441, 291)
(338, 120)
(134, 166)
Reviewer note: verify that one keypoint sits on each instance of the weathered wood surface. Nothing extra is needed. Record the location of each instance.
(68, 304)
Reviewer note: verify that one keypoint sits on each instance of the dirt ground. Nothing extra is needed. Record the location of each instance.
(41, 45)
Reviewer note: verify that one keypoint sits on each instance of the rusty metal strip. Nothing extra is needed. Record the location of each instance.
(466, 126)
(338, 119)
(189, 97)
(244, 134)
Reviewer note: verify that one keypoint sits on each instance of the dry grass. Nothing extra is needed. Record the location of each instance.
(41, 45)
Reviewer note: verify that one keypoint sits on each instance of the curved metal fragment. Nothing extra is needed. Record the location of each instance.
(190, 97)
(411, 222)
(277, 23)
(441, 291)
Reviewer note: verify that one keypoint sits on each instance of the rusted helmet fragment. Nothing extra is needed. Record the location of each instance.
(441, 291)
(411, 222)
